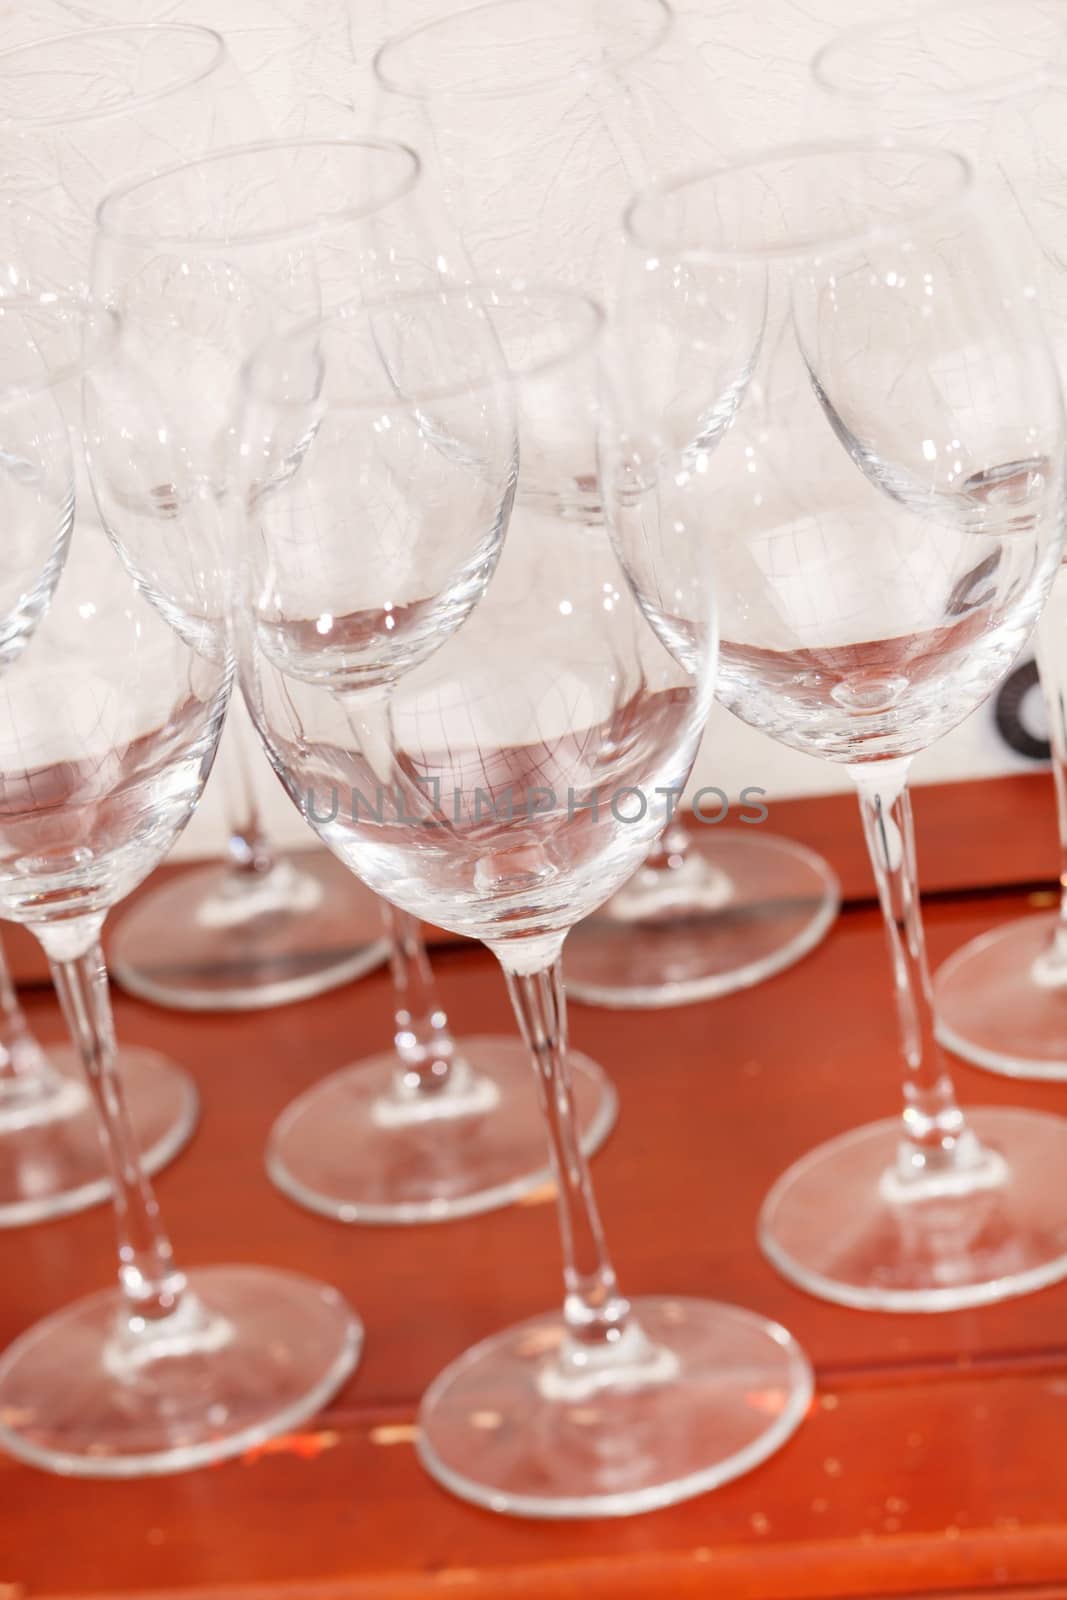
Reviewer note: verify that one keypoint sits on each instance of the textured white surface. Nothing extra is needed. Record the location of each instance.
(308, 62)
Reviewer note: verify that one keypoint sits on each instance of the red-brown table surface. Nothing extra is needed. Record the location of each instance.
(935, 1458)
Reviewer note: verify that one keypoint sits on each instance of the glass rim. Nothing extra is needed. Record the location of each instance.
(88, 312)
(219, 54)
(800, 249)
(867, 33)
(479, 295)
(395, 86)
(105, 227)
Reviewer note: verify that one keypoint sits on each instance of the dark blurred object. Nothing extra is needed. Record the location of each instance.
(1017, 705)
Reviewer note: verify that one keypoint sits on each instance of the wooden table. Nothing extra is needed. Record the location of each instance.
(935, 1458)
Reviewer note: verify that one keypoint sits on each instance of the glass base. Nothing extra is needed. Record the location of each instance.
(744, 905)
(714, 1391)
(352, 1149)
(250, 1353)
(218, 938)
(841, 1224)
(51, 1160)
(1002, 1004)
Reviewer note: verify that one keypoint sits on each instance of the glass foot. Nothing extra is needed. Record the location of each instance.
(350, 1149)
(743, 905)
(721, 1391)
(841, 1225)
(216, 938)
(51, 1160)
(1001, 1003)
(250, 1353)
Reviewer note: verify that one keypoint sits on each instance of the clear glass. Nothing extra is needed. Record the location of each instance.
(260, 927)
(568, 98)
(51, 1162)
(847, 393)
(991, 79)
(513, 771)
(229, 245)
(82, 112)
(109, 720)
(436, 1127)
(581, 102)
(88, 108)
(231, 242)
(709, 911)
(37, 480)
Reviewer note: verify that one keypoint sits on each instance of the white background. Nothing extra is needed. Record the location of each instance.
(308, 62)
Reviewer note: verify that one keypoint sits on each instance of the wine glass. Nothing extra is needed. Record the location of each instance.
(87, 108)
(880, 475)
(434, 1128)
(259, 928)
(518, 768)
(109, 720)
(77, 112)
(81, 112)
(992, 78)
(538, 119)
(202, 259)
(51, 1162)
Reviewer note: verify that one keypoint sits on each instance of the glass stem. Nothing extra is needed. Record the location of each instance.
(1052, 667)
(423, 1043)
(936, 1138)
(673, 870)
(22, 1062)
(596, 1314)
(152, 1283)
(247, 845)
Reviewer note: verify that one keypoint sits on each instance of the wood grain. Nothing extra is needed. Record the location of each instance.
(932, 1462)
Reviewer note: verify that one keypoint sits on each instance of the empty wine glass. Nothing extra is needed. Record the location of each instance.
(80, 113)
(521, 764)
(436, 1127)
(108, 724)
(535, 121)
(259, 927)
(201, 256)
(51, 1162)
(37, 477)
(77, 112)
(201, 260)
(538, 119)
(991, 78)
(881, 480)
(83, 110)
